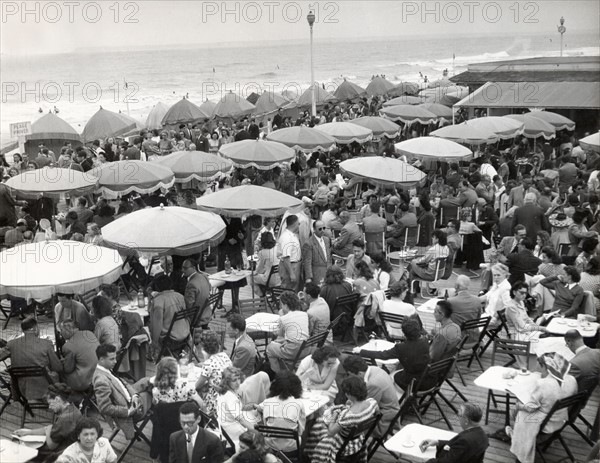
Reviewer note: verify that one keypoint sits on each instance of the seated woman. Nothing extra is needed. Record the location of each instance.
(551, 263)
(106, 331)
(67, 308)
(542, 240)
(413, 354)
(588, 247)
(333, 287)
(231, 413)
(424, 267)
(395, 305)
(253, 440)
(211, 371)
(318, 371)
(499, 294)
(59, 435)
(283, 409)
(169, 386)
(328, 433)
(90, 446)
(365, 283)
(520, 326)
(554, 384)
(383, 271)
(267, 257)
(568, 300)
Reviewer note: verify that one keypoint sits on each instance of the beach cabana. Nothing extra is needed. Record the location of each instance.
(156, 115)
(379, 86)
(183, 112)
(208, 107)
(104, 124)
(349, 91)
(322, 95)
(54, 132)
(232, 106)
(268, 103)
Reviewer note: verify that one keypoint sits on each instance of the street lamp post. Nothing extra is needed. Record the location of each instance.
(561, 29)
(311, 20)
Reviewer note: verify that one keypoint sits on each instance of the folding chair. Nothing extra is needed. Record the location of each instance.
(275, 432)
(7, 312)
(86, 299)
(463, 355)
(210, 422)
(165, 421)
(172, 346)
(494, 333)
(573, 405)
(18, 373)
(316, 341)
(215, 300)
(396, 319)
(365, 429)
(587, 384)
(272, 298)
(457, 349)
(346, 304)
(139, 435)
(268, 286)
(420, 400)
(440, 267)
(513, 349)
(335, 323)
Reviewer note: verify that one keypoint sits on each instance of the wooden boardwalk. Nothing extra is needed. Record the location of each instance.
(498, 452)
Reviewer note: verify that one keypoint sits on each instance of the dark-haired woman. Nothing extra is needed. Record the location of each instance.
(424, 267)
(590, 279)
(383, 271)
(327, 434)
(334, 286)
(59, 434)
(267, 257)
(107, 330)
(318, 371)
(90, 447)
(365, 283)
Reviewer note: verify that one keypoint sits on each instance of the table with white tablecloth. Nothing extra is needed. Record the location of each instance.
(406, 441)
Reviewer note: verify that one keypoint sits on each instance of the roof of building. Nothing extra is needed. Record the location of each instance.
(480, 78)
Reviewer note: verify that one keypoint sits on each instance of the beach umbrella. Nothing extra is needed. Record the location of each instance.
(195, 165)
(268, 103)
(404, 99)
(404, 88)
(40, 270)
(304, 139)
(208, 107)
(379, 86)
(232, 106)
(446, 96)
(349, 91)
(322, 95)
(165, 230)
(52, 127)
(53, 181)
(462, 133)
(156, 115)
(8, 147)
(182, 112)
(139, 125)
(346, 132)
(381, 171)
(380, 126)
(408, 114)
(440, 83)
(439, 110)
(534, 127)
(432, 147)
(105, 124)
(503, 127)
(119, 178)
(253, 98)
(591, 142)
(261, 154)
(246, 200)
(558, 121)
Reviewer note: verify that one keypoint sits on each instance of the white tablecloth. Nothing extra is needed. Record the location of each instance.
(551, 344)
(133, 308)
(262, 322)
(562, 325)
(407, 440)
(380, 345)
(11, 452)
(520, 386)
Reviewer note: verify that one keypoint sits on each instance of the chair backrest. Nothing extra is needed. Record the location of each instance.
(481, 324)
(573, 404)
(437, 370)
(589, 304)
(316, 340)
(274, 270)
(275, 432)
(512, 348)
(18, 373)
(365, 429)
(190, 315)
(335, 323)
(165, 421)
(449, 266)
(386, 318)
(210, 422)
(440, 267)
(347, 300)
(86, 298)
(503, 323)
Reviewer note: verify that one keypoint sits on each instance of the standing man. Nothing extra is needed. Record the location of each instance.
(197, 291)
(193, 444)
(531, 216)
(134, 153)
(290, 254)
(316, 254)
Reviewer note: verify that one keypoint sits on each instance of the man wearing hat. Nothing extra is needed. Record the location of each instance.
(531, 216)
(15, 236)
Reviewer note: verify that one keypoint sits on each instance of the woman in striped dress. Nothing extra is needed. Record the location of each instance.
(328, 433)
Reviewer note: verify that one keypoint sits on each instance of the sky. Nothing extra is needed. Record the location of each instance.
(48, 27)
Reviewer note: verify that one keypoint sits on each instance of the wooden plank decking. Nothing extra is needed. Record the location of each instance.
(498, 452)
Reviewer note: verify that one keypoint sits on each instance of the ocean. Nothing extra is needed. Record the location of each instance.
(77, 84)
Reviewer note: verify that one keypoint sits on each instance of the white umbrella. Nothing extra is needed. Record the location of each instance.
(302, 138)
(53, 181)
(122, 177)
(195, 165)
(262, 154)
(432, 147)
(380, 126)
(381, 171)
(165, 230)
(503, 127)
(463, 133)
(40, 270)
(534, 127)
(558, 121)
(345, 132)
(591, 142)
(408, 114)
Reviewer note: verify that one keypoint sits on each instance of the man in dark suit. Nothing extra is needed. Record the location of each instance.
(468, 446)
(510, 244)
(531, 216)
(342, 245)
(30, 350)
(243, 353)
(194, 444)
(197, 290)
(522, 263)
(586, 363)
(316, 254)
(465, 306)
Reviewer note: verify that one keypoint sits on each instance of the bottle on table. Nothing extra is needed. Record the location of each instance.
(141, 300)
(227, 265)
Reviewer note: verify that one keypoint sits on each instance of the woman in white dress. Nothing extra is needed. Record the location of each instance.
(318, 371)
(90, 447)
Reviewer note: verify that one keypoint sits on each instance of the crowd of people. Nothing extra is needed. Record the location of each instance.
(525, 216)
